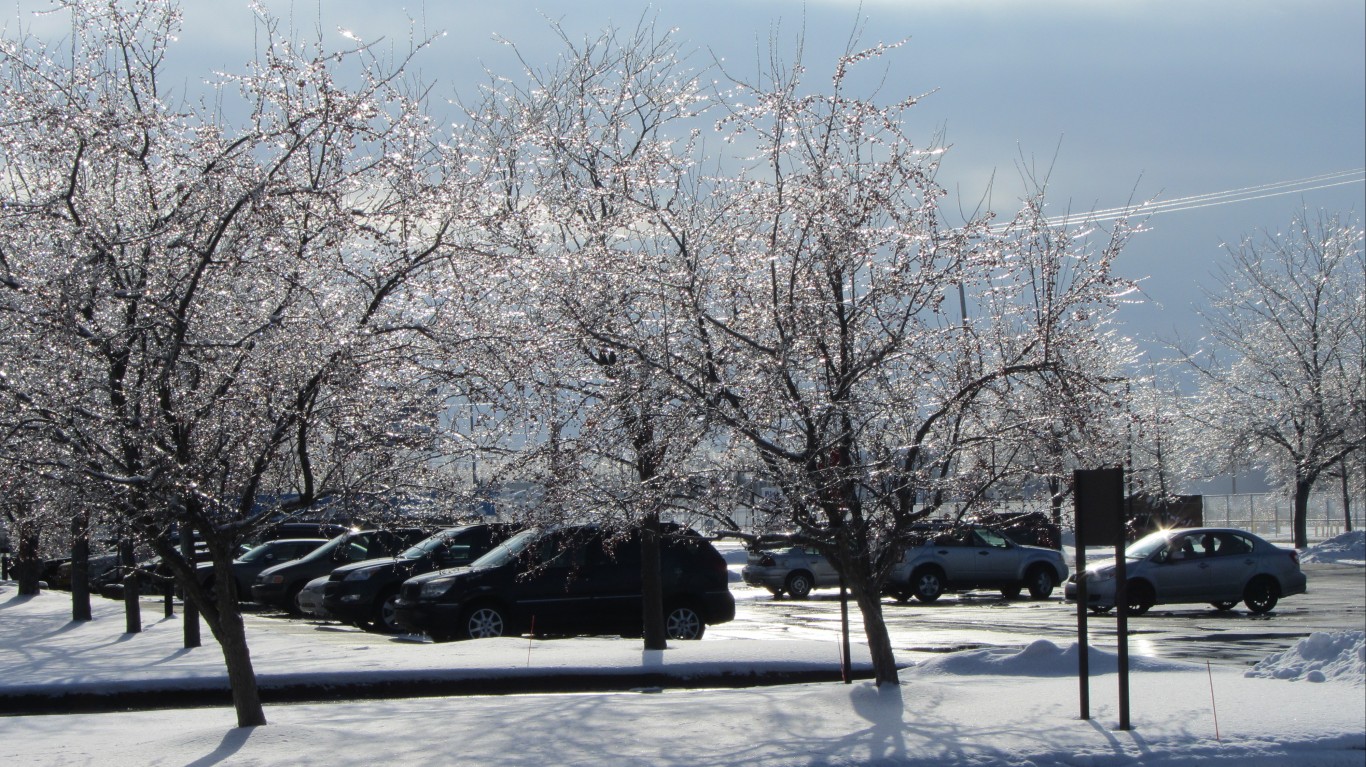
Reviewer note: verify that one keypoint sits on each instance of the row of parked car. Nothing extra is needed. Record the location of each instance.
(486, 580)
(939, 559)
(1218, 566)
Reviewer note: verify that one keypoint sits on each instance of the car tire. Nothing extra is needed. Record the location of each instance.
(1040, 582)
(1224, 607)
(1011, 592)
(1261, 595)
(292, 599)
(483, 622)
(683, 622)
(386, 613)
(928, 584)
(1141, 597)
(799, 584)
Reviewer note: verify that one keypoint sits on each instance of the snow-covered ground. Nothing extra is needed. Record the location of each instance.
(1018, 706)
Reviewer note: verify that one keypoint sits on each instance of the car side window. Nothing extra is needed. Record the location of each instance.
(1232, 545)
(950, 538)
(1181, 548)
(984, 537)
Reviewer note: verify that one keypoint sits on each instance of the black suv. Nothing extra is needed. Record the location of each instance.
(280, 585)
(569, 580)
(364, 593)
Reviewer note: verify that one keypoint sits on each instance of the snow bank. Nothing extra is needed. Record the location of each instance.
(1344, 549)
(1335, 656)
(1040, 658)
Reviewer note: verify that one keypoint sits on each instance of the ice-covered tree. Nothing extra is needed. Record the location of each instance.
(596, 148)
(1282, 367)
(819, 283)
(236, 296)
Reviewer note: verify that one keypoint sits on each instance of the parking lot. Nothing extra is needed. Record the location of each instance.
(1336, 601)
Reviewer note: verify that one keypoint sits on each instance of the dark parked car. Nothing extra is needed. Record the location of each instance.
(1031, 528)
(569, 580)
(1217, 565)
(364, 593)
(278, 586)
(250, 564)
(324, 530)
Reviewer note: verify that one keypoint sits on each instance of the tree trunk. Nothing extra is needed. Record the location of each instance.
(190, 611)
(225, 622)
(651, 584)
(875, 629)
(1346, 499)
(28, 567)
(80, 567)
(1300, 520)
(132, 603)
(132, 606)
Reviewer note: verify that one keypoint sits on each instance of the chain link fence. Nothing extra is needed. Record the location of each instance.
(1271, 515)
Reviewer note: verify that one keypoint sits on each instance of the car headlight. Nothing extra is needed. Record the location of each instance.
(271, 579)
(1100, 576)
(436, 587)
(359, 575)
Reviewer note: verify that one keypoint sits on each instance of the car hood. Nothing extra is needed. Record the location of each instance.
(372, 564)
(458, 572)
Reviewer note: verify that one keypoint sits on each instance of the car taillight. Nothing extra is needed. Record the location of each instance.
(1295, 557)
(767, 561)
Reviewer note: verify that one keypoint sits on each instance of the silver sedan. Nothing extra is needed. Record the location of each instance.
(1221, 566)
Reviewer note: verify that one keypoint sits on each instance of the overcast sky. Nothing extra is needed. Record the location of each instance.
(1124, 100)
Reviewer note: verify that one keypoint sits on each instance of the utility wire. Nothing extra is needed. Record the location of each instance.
(1228, 197)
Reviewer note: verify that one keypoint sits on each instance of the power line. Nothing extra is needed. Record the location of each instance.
(1210, 199)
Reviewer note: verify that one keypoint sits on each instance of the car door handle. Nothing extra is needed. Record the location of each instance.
(984, 553)
(942, 552)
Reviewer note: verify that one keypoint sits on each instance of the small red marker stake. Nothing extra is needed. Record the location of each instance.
(1211, 702)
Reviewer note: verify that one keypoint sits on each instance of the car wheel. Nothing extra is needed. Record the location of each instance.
(928, 584)
(292, 599)
(775, 592)
(1101, 610)
(1261, 595)
(1010, 592)
(1224, 606)
(683, 622)
(386, 613)
(902, 594)
(1141, 597)
(799, 584)
(484, 622)
(1040, 583)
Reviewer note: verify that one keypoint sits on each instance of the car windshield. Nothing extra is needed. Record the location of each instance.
(1144, 547)
(325, 551)
(427, 546)
(257, 553)
(508, 550)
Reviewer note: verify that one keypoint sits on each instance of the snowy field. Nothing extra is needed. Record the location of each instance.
(1017, 706)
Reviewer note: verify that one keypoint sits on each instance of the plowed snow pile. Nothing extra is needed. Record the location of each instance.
(1336, 656)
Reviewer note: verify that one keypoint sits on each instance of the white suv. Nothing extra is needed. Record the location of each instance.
(965, 557)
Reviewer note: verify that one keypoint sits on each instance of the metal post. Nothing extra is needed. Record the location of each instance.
(1122, 616)
(1083, 651)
